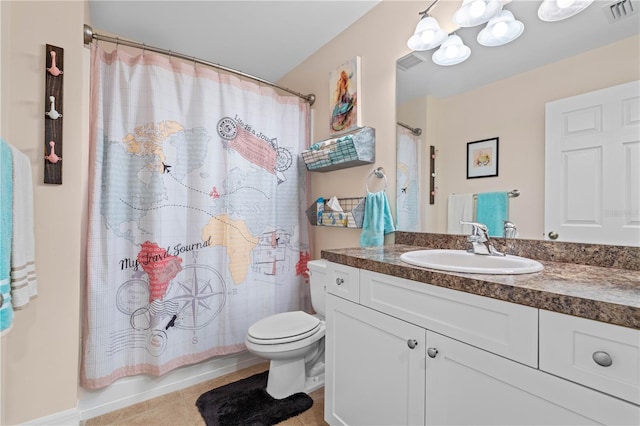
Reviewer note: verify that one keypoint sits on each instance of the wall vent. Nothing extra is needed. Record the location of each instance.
(620, 9)
(410, 61)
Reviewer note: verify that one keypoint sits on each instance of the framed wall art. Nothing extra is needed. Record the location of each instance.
(482, 158)
(344, 97)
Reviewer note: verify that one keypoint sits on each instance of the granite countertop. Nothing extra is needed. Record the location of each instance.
(599, 293)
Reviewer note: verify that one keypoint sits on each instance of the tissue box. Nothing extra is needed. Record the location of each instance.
(334, 219)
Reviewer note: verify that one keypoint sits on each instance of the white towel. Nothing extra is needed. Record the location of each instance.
(460, 208)
(23, 268)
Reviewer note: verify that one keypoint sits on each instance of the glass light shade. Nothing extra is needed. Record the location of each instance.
(451, 52)
(427, 35)
(500, 30)
(557, 10)
(476, 12)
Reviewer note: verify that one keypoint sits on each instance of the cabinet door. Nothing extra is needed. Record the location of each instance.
(469, 386)
(373, 376)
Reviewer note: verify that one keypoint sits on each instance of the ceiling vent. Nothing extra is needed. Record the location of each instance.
(410, 61)
(619, 10)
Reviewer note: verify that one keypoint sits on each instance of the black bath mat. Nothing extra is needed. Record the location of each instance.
(246, 402)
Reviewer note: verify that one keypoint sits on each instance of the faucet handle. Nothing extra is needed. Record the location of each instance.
(477, 228)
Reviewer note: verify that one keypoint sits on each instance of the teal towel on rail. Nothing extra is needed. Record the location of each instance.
(6, 230)
(377, 220)
(492, 209)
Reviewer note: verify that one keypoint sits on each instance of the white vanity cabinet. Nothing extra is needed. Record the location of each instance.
(377, 367)
(404, 352)
(470, 386)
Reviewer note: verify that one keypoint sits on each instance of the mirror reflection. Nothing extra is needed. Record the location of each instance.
(501, 93)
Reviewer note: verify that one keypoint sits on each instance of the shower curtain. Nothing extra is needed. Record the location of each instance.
(407, 181)
(196, 223)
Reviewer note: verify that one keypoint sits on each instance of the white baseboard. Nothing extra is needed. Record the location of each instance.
(132, 390)
(63, 418)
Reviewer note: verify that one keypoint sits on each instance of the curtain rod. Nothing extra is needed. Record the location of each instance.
(415, 130)
(89, 35)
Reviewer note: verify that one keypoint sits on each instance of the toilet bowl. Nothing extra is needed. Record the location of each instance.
(293, 342)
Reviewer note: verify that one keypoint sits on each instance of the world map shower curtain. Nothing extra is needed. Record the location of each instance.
(196, 213)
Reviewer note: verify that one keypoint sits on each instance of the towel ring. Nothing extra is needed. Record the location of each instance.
(379, 173)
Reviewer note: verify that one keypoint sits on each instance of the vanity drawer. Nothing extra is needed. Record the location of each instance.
(569, 347)
(504, 328)
(343, 281)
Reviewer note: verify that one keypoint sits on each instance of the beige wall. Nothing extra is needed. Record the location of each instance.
(40, 354)
(377, 40)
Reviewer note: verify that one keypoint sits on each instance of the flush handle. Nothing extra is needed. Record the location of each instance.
(602, 358)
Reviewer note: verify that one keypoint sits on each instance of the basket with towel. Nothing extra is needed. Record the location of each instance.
(350, 150)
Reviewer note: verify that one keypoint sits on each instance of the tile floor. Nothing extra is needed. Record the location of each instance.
(179, 408)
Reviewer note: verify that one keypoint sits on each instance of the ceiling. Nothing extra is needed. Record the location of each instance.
(270, 38)
(263, 38)
(541, 43)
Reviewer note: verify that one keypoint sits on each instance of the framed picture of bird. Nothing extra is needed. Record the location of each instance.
(482, 158)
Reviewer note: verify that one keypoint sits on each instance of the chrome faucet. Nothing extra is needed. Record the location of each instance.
(479, 239)
(509, 230)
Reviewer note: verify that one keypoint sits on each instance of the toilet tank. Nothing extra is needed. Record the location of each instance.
(317, 284)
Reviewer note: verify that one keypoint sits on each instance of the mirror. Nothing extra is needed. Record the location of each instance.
(501, 92)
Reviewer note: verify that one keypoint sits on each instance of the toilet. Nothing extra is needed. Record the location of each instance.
(294, 342)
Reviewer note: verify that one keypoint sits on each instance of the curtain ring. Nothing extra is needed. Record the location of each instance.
(144, 49)
(194, 62)
(170, 56)
(117, 42)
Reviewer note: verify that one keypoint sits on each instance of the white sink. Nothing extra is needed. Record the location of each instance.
(462, 261)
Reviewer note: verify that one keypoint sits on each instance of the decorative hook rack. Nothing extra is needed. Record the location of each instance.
(53, 106)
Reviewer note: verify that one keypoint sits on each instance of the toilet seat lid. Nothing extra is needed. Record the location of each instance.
(284, 327)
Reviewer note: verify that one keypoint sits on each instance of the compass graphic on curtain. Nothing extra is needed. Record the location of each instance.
(200, 293)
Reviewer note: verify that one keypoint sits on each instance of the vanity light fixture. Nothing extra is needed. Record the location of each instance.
(476, 12)
(427, 35)
(501, 29)
(557, 10)
(453, 51)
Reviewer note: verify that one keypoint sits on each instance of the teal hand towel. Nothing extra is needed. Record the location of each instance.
(492, 210)
(6, 229)
(377, 220)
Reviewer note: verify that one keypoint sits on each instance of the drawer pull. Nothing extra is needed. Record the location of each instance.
(339, 281)
(602, 358)
(432, 352)
(412, 343)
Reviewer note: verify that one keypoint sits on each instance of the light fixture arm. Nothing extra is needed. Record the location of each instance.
(426, 11)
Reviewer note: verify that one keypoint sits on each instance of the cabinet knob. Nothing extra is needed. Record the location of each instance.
(339, 281)
(602, 358)
(412, 343)
(553, 235)
(432, 352)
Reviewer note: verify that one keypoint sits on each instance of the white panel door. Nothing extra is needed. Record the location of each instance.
(592, 162)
